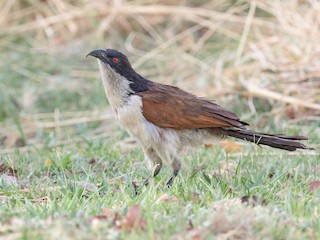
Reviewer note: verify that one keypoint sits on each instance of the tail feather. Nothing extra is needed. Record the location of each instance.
(289, 143)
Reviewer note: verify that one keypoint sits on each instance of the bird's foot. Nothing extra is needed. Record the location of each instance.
(147, 181)
(171, 179)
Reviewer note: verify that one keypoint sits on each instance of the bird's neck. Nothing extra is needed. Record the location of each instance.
(117, 88)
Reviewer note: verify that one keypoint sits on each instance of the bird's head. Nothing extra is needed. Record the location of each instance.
(115, 63)
(113, 58)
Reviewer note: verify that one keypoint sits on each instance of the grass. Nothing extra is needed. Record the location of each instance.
(66, 198)
(68, 171)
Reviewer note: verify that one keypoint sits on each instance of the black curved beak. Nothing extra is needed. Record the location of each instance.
(98, 53)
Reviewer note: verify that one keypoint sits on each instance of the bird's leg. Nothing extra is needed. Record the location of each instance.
(155, 160)
(176, 168)
(171, 179)
(155, 173)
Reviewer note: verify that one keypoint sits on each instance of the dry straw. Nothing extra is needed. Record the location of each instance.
(266, 49)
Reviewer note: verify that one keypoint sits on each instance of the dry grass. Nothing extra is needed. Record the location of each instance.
(253, 49)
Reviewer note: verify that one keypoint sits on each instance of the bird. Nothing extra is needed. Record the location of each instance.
(164, 118)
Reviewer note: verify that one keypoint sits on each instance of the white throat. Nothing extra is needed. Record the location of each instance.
(116, 86)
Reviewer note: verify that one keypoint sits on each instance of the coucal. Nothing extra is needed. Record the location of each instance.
(165, 118)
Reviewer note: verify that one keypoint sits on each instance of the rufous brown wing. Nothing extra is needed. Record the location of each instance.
(170, 107)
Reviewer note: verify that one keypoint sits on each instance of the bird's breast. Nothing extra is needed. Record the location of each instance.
(131, 119)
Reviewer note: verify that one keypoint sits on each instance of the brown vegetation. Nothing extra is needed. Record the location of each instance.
(267, 50)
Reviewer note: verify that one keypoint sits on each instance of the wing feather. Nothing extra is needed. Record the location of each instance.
(170, 107)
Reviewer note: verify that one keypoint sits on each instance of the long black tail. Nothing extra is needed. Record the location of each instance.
(273, 140)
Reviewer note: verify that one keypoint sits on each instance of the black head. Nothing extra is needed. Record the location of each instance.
(120, 64)
(117, 60)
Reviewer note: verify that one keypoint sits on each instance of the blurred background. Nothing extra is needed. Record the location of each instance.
(257, 58)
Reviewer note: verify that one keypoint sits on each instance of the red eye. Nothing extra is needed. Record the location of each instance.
(115, 60)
